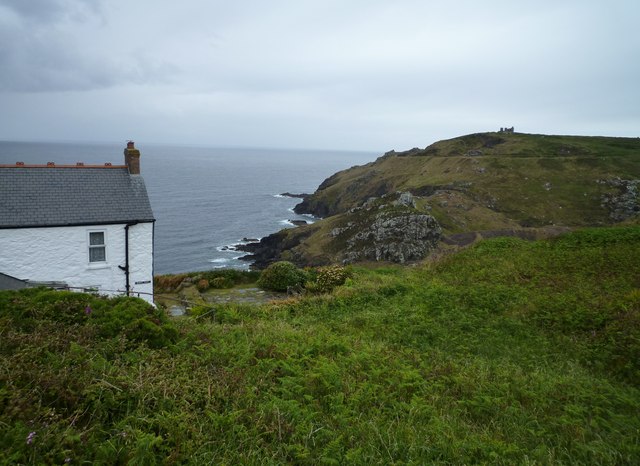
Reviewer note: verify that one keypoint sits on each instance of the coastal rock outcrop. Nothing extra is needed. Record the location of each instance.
(296, 195)
(368, 184)
(394, 237)
(389, 228)
(279, 246)
(625, 203)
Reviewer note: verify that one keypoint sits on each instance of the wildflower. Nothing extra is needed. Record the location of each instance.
(30, 437)
(87, 310)
(67, 460)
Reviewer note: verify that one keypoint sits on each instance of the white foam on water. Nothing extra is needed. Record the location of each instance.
(220, 260)
(233, 247)
(242, 241)
(286, 222)
(231, 262)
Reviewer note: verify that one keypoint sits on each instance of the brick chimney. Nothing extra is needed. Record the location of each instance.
(132, 158)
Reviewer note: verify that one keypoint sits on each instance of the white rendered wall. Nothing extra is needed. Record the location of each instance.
(62, 254)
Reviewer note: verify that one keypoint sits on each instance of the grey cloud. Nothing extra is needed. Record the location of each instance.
(40, 50)
(38, 64)
(363, 73)
(45, 11)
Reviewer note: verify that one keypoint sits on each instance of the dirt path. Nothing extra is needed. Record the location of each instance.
(177, 303)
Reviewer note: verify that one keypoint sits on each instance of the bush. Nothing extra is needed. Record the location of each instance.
(224, 278)
(280, 276)
(231, 277)
(167, 283)
(202, 285)
(327, 278)
(221, 282)
(200, 310)
(156, 335)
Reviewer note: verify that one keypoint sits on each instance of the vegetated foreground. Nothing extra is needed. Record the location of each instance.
(510, 352)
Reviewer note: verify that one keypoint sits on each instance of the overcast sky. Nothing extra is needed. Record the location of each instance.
(333, 74)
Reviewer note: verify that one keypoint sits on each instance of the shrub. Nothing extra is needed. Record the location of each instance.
(167, 283)
(224, 278)
(200, 310)
(281, 276)
(136, 319)
(156, 335)
(231, 276)
(327, 278)
(221, 282)
(203, 284)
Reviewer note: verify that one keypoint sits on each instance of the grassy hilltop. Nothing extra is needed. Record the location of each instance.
(493, 180)
(479, 182)
(510, 352)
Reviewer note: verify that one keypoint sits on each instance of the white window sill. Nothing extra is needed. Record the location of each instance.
(98, 265)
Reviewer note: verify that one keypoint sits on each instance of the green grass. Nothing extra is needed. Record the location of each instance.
(509, 352)
(524, 181)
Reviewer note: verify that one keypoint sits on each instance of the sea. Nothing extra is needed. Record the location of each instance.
(207, 200)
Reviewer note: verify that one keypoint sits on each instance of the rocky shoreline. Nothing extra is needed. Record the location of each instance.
(298, 196)
(389, 228)
(270, 249)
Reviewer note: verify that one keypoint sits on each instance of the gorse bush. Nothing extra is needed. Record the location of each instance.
(281, 276)
(325, 279)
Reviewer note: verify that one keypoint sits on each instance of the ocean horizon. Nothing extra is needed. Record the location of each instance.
(207, 199)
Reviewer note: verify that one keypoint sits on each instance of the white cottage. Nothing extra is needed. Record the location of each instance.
(87, 226)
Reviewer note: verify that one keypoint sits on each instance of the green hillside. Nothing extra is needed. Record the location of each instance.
(495, 179)
(522, 184)
(509, 352)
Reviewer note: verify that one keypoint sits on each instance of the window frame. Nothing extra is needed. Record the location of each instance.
(102, 246)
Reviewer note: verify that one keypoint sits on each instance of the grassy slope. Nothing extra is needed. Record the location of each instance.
(510, 352)
(510, 176)
(517, 181)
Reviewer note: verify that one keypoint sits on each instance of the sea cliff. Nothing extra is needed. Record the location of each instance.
(405, 205)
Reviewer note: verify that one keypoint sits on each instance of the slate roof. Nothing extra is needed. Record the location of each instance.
(40, 196)
(7, 282)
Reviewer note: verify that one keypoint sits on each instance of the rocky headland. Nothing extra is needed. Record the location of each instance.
(406, 205)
